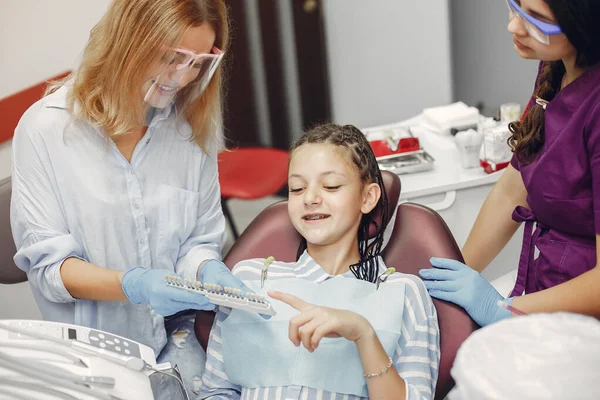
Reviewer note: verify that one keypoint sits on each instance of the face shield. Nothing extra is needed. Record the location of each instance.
(180, 68)
(539, 30)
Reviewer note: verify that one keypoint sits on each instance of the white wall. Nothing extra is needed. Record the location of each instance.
(378, 51)
(40, 38)
(388, 59)
(486, 68)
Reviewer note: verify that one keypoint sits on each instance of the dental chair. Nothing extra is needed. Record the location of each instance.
(9, 272)
(418, 234)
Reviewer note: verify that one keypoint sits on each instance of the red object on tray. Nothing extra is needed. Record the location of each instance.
(382, 148)
(490, 167)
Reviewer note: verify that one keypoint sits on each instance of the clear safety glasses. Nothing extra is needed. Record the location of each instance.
(179, 68)
(539, 30)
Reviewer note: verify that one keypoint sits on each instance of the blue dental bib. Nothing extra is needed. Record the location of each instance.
(258, 352)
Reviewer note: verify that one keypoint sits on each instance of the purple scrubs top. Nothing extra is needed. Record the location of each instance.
(563, 190)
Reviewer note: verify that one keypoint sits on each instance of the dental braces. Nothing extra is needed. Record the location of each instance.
(228, 297)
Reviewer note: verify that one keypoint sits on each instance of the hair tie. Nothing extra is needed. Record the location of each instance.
(541, 102)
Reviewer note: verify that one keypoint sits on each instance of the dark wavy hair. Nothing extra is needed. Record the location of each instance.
(360, 155)
(580, 22)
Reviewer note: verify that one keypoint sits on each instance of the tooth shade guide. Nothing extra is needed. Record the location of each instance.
(228, 297)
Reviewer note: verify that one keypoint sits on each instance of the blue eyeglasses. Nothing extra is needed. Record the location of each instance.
(539, 30)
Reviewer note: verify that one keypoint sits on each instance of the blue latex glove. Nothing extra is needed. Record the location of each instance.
(455, 282)
(148, 286)
(215, 272)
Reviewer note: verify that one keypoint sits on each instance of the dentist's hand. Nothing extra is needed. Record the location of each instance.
(149, 286)
(215, 272)
(455, 282)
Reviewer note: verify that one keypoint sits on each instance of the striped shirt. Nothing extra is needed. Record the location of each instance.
(416, 357)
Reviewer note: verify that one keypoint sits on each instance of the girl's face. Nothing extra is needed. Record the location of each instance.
(530, 48)
(327, 197)
(160, 87)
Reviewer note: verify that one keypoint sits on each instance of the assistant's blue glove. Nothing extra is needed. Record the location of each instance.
(455, 282)
(215, 272)
(149, 286)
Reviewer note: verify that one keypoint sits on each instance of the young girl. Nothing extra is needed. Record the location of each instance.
(115, 179)
(553, 180)
(358, 340)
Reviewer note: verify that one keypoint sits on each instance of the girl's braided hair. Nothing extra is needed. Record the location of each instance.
(360, 155)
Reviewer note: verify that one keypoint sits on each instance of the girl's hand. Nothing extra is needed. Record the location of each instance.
(315, 322)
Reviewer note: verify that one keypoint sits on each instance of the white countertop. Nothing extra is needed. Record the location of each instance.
(447, 173)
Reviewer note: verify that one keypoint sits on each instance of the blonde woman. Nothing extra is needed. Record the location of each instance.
(115, 178)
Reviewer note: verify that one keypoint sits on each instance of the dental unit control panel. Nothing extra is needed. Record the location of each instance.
(50, 360)
(104, 341)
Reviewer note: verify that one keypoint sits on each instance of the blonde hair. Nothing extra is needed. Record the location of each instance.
(107, 86)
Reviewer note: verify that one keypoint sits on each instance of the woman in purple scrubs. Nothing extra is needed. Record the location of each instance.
(553, 182)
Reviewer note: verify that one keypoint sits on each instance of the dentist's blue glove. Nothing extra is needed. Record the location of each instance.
(455, 282)
(215, 272)
(149, 286)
